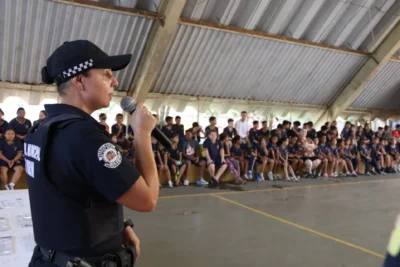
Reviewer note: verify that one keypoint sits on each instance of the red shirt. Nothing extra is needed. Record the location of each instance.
(395, 133)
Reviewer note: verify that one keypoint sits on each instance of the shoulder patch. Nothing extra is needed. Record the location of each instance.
(111, 157)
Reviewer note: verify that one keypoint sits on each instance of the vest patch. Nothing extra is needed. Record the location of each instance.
(111, 157)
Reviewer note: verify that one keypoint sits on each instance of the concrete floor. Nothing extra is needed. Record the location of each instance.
(339, 223)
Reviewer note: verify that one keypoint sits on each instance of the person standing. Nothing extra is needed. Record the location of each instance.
(3, 123)
(75, 172)
(242, 126)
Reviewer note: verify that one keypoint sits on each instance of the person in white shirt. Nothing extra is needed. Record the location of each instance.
(242, 126)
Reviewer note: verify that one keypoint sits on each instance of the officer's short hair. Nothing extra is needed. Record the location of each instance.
(168, 118)
(65, 85)
(19, 109)
(212, 118)
(255, 122)
(230, 120)
(119, 115)
(177, 117)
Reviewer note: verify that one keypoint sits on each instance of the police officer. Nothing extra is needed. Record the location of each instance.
(78, 180)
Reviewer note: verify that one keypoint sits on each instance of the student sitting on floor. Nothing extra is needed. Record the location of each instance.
(324, 155)
(376, 157)
(238, 155)
(346, 155)
(212, 126)
(317, 152)
(383, 155)
(283, 158)
(332, 159)
(214, 153)
(393, 155)
(251, 157)
(21, 125)
(365, 153)
(263, 159)
(191, 155)
(174, 161)
(253, 133)
(311, 161)
(264, 132)
(3, 123)
(294, 158)
(342, 159)
(274, 155)
(119, 128)
(161, 160)
(233, 165)
(168, 129)
(229, 130)
(11, 151)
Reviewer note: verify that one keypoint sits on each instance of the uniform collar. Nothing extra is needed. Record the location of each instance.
(58, 109)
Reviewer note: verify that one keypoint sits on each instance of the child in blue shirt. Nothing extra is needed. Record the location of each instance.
(175, 163)
(264, 159)
(11, 152)
(273, 153)
(20, 125)
(214, 152)
(251, 156)
(238, 155)
(283, 157)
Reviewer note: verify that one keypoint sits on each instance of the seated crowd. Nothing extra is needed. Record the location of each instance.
(247, 153)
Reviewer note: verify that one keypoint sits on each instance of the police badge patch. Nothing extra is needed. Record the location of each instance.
(110, 155)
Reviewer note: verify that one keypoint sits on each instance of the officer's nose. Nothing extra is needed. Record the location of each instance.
(114, 82)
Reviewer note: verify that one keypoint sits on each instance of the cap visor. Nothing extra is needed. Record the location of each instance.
(114, 63)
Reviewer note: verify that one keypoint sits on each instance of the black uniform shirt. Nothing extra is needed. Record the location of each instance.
(83, 161)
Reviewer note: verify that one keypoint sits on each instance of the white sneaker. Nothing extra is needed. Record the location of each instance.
(246, 177)
(201, 181)
(288, 179)
(9, 187)
(186, 182)
(278, 177)
(262, 176)
(170, 184)
(296, 179)
(270, 176)
(348, 173)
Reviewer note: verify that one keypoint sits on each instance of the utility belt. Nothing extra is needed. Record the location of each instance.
(125, 257)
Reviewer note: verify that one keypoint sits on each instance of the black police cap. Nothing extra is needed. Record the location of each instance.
(77, 57)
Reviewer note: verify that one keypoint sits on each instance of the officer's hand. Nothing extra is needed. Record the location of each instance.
(130, 239)
(142, 120)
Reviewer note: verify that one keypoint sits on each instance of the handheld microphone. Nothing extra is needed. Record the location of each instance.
(128, 104)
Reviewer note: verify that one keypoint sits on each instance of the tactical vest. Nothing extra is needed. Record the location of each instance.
(60, 222)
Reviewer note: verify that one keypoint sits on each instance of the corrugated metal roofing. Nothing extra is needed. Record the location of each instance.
(206, 62)
(354, 24)
(138, 4)
(383, 90)
(32, 30)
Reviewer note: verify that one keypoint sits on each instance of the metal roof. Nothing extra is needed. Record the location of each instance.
(32, 30)
(207, 62)
(138, 4)
(383, 90)
(353, 24)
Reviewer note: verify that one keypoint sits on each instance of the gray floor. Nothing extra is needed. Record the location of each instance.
(311, 223)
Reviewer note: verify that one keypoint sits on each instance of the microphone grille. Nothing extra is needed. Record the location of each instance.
(128, 104)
